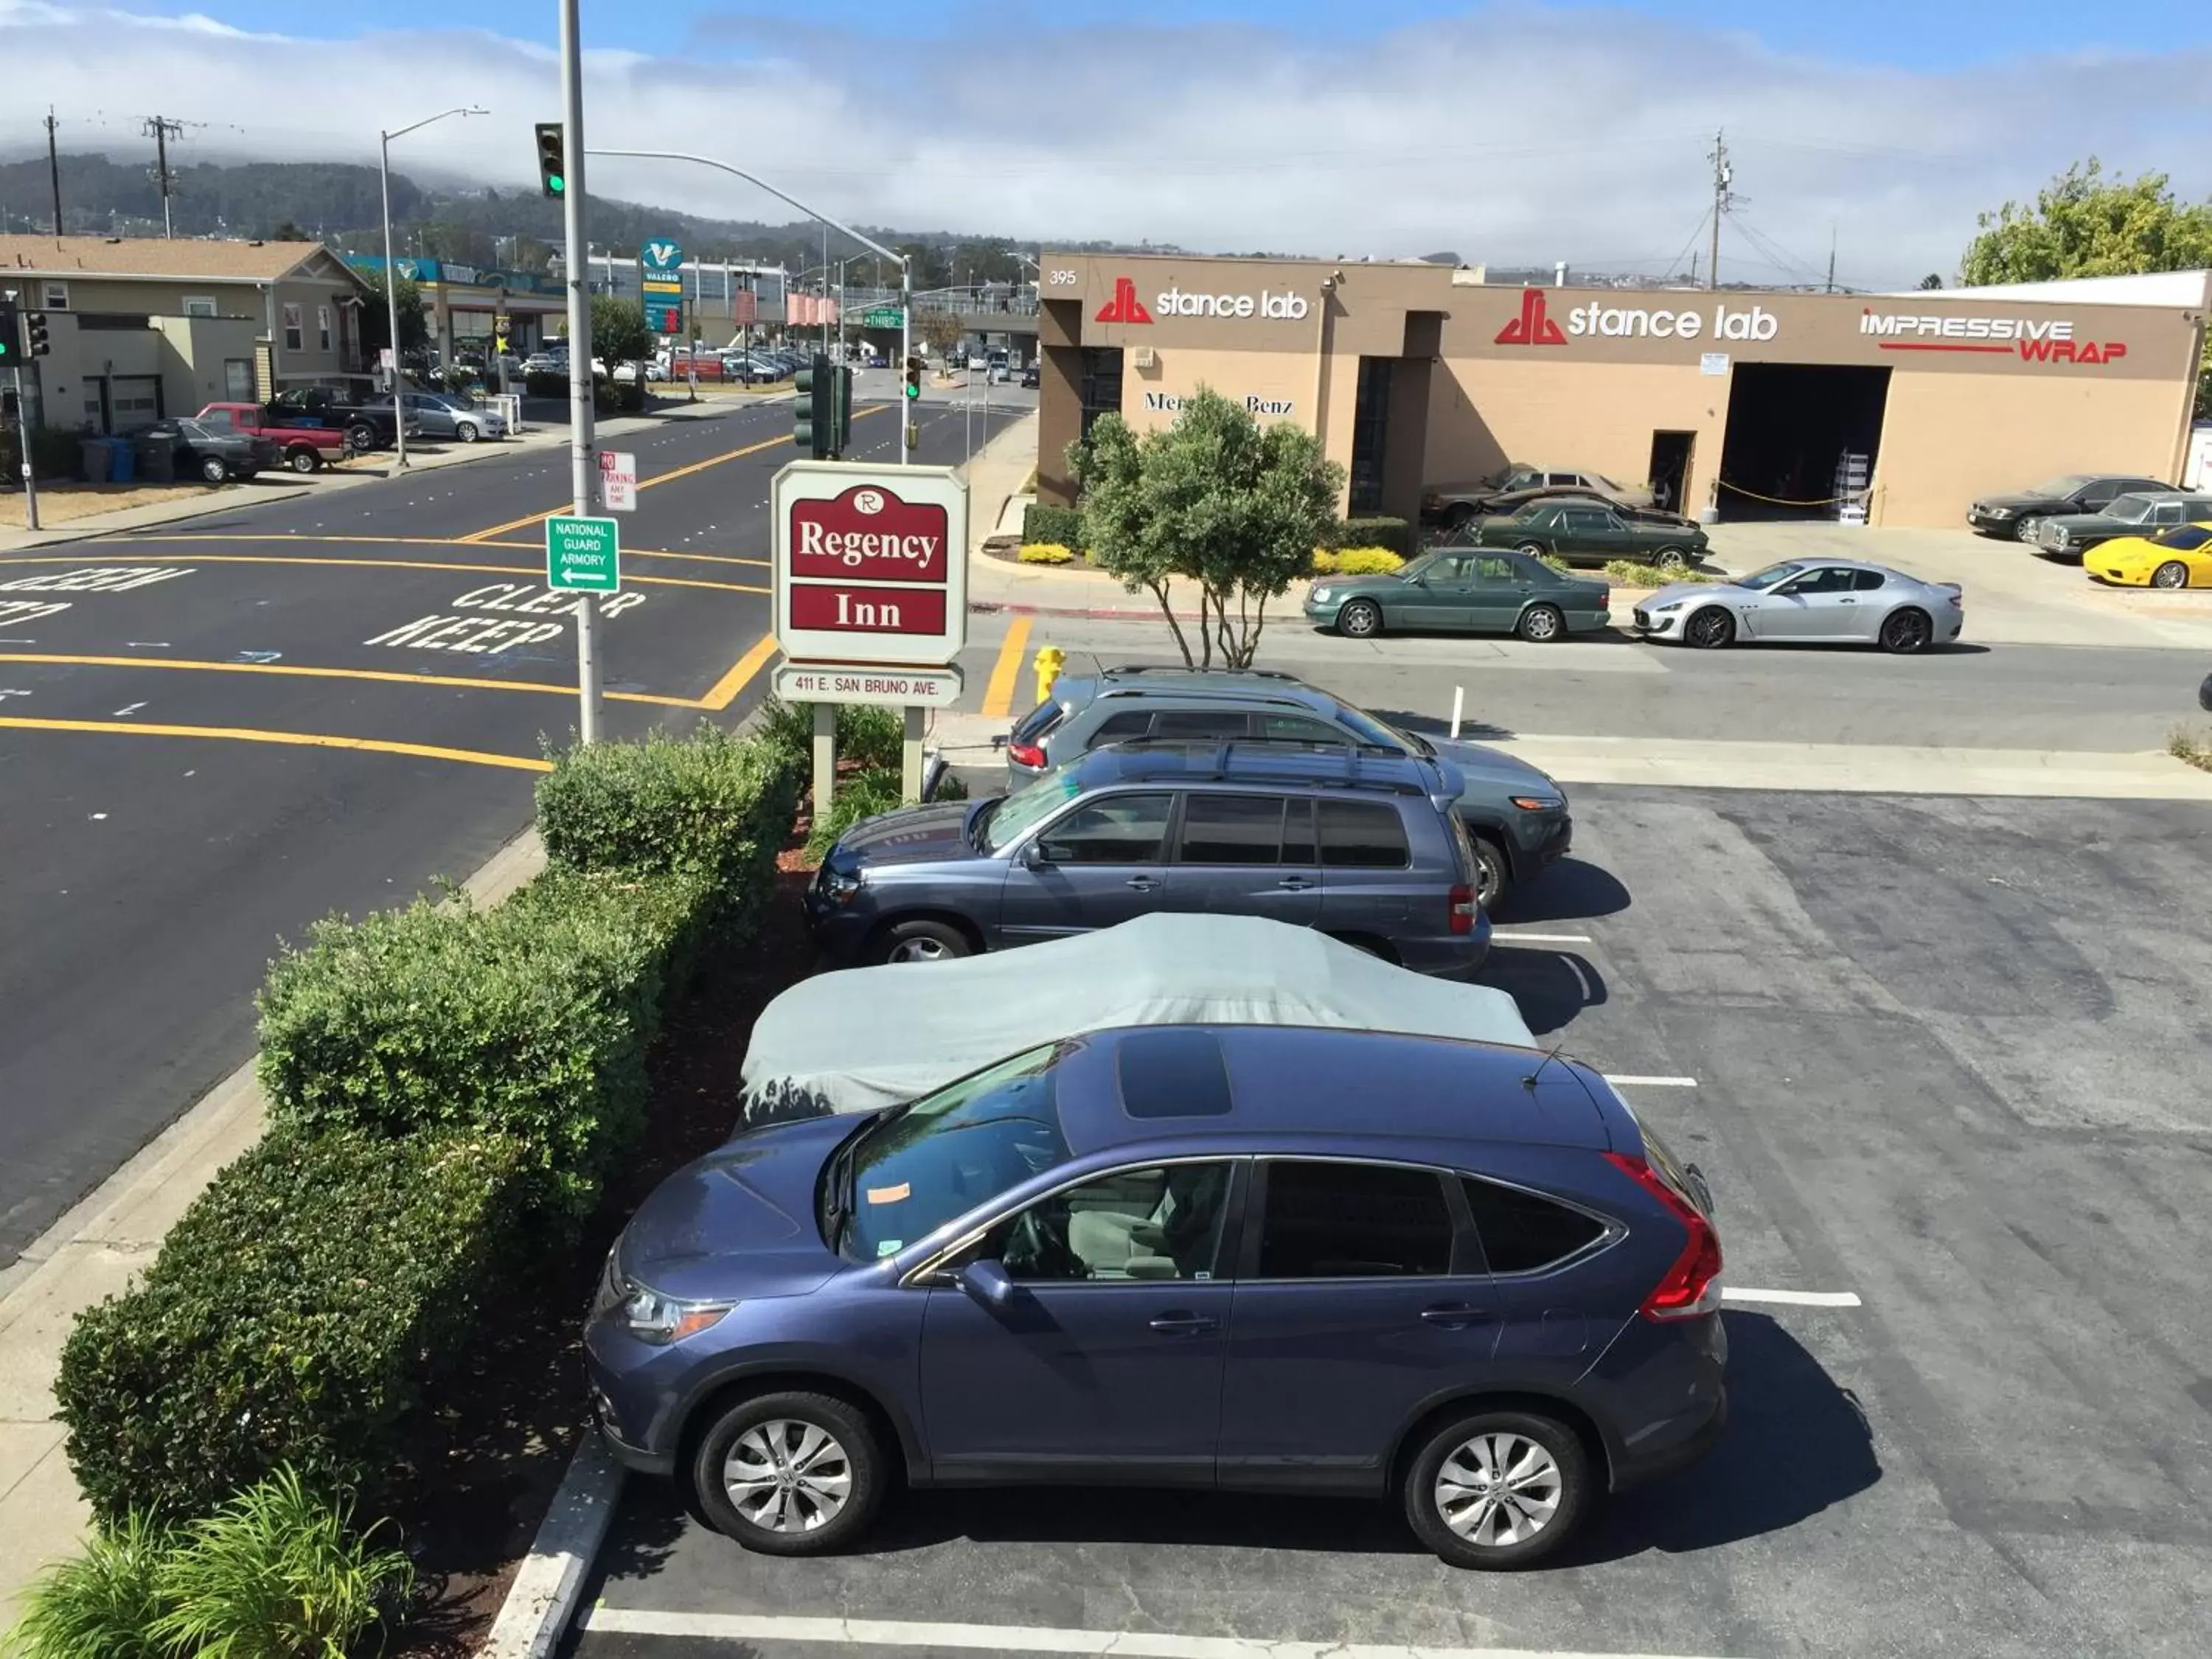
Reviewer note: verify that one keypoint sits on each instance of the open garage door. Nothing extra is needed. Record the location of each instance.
(1791, 427)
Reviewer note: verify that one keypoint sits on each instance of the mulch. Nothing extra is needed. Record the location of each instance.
(499, 1436)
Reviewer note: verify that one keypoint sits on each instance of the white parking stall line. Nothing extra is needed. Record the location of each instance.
(1027, 1639)
(1624, 1079)
(1499, 937)
(1793, 1298)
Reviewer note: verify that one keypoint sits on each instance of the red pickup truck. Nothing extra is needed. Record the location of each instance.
(305, 448)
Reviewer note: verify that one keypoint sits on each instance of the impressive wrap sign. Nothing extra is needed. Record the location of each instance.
(2036, 340)
(871, 564)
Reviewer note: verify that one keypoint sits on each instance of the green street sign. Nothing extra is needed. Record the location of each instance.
(883, 317)
(583, 554)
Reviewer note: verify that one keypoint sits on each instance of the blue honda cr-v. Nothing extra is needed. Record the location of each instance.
(1246, 1257)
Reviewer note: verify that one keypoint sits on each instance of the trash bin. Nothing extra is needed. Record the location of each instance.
(121, 462)
(157, 458)
(98, 456)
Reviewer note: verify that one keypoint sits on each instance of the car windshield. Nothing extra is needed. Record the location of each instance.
(922, 1165)
(1760, 580)
(1419, 566)
(2186, 538)
(1003, 823)
(1381, 733)
(2064, 484)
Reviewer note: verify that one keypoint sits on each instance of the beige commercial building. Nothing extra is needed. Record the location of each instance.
(1738, 404)
(144, 328)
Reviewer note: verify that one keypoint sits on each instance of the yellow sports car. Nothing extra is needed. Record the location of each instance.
(2179, 557)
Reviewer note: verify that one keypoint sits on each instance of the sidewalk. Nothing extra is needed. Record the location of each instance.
(91, 1253)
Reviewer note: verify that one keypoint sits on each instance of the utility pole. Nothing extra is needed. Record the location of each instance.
(160, 130)
(54, 170)
(583, 464)
(1831, 258)
(1723, 175)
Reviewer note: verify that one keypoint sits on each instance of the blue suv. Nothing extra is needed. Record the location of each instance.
(1255, 1258)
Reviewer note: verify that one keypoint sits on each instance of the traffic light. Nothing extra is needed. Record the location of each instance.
(552, 158)
(841, 411)
(814, 409)
(35, 343)
(912, 378)
(10, 337)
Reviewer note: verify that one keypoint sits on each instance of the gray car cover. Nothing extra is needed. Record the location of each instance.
(868, 1037)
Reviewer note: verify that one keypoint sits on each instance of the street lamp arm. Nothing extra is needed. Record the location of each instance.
(401, 132)
(873, 245)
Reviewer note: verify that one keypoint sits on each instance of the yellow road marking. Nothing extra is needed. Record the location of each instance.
(660, 478)
(998, 696)
(302, 671)
(211, 538)
(393, 564)
(302, 739)
(726, 689)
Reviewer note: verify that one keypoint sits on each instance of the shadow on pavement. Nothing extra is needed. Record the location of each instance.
(1470, 730)
(1550, 986)
(1570, 891)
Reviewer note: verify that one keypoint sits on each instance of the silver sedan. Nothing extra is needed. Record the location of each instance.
(1823, 601)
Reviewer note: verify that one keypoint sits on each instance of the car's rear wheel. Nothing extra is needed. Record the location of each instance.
(215, 471)
(922, 940)
(1542, 623)
(1671, 558)
(1498, 1489)
(1903, 632)
(790, 1473)
(1362, 619)
(1709, 629)
(2171, 573)
(303, 457)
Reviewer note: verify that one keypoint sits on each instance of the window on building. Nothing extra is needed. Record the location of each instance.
(200, 305)
(1371, 425)
(56, 296)
(1101, 384)
(293, 341)
(323, 327)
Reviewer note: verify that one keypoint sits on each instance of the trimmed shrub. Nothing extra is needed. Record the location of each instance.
(545, 383)
(872, 737)
(293, 1316)
(1324, 563)
(1631, 573)
(1367, 561)
(1044, 553)
(1395, 534)
(1058, 526)
(711, 801)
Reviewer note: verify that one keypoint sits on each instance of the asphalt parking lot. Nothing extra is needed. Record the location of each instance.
(1942, 1059)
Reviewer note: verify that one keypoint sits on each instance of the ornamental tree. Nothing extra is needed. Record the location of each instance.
(1234, 509)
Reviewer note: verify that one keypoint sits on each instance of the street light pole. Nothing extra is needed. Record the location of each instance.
(906, 267)
(392, 272)
(583, 465)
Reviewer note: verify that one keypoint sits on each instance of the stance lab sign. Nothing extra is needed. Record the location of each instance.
(871, 564)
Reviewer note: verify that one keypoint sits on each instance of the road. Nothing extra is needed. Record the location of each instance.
(254, 719)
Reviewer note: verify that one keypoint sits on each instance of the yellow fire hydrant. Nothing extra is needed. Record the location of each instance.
(1050, 660)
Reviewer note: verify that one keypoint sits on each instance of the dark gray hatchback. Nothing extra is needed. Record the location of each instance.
(1362, 845)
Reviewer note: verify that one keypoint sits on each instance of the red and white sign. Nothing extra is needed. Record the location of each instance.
(617, 481)
(871, 564)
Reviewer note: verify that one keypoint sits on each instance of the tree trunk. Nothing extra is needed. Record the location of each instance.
(1160, 592)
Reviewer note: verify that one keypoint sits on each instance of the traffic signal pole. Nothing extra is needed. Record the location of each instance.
(906, 269)
(583, 465)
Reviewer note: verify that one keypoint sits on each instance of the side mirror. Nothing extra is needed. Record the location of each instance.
(986, 1283)
(1033, 857)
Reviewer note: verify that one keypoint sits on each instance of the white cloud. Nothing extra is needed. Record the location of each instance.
(1515, 135)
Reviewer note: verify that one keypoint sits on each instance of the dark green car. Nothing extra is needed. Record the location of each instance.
(1462, 590)
(1589, 532)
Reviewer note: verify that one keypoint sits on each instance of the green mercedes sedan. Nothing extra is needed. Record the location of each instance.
(1462, 590)
(1591, 532)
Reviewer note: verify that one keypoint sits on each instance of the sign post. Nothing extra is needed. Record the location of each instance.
(869, 586)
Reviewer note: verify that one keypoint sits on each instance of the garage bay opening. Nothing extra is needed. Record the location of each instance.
(1795, 432)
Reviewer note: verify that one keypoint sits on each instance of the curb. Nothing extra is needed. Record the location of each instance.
(543, 1598)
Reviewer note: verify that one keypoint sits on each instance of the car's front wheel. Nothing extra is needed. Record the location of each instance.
(466, 431)
(792, 1473)
(361, 438)
(1533, 550)
(1498, 1489)
(1709, 629)
(1671, 558)
(1541, 623)
(921, 941)
(2023, 529)
(215, 471)
(1493, 875)
(2171, 573)
(1362, 619)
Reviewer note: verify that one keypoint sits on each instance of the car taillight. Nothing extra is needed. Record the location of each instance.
(1025, 754)
(1462, 910)
(1692, 1284)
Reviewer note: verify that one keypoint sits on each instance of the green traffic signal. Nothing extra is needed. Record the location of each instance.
(554, 184)
(552, 158)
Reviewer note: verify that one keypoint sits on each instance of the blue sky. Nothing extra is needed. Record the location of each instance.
(1516, 133)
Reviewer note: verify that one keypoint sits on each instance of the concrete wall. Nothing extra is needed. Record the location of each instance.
(186, 354)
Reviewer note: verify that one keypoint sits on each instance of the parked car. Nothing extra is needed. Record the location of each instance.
(301, 447)
(1460, 1277)
(441, 415)
(367, 425)
(2144, 512)
(1827, 601)
(1514, 486)
(1516, 816)
(212, 451)
(1463, 589)
(2020, 516)
(1363, 845)
(1586, 532)
(1032, 374)
(2179, 557)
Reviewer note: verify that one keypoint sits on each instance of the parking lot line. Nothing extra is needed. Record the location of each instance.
(999, 695)
(1025, 1638)
(395, 564)
(725, 690)
(303, 671)
(1499, 935)
(1794, 1298)
(302, 739)
(1625, 1078)
(300, 537)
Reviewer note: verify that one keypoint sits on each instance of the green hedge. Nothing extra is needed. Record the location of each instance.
(1060, 525)
(709, 802)
(294, 1315)
(545, 383)
(1393, 533)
